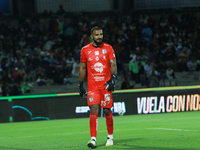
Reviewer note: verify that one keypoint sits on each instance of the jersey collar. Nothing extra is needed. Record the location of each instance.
(98, 46)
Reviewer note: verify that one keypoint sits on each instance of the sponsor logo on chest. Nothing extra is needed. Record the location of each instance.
(96, 53)
(98, 67)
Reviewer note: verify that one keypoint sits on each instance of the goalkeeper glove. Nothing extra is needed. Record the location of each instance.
(110, 85)
(82, 91)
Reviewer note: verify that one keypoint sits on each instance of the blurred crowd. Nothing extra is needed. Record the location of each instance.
(32, 52)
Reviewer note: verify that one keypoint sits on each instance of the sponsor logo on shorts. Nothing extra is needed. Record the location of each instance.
(107, 97)
(90, 93)
(91, 99)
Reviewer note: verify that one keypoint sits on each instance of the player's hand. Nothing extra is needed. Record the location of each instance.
(82, 91)
(110, 85)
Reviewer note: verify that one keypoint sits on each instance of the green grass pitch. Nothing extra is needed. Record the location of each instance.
(166, 131)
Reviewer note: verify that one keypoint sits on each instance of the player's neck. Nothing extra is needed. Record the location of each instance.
(96, 45)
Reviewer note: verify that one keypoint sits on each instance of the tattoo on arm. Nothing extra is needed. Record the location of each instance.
(113, 66)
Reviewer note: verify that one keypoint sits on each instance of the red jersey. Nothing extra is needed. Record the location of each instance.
(98, 64)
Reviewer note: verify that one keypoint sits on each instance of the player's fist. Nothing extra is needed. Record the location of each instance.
(82, 91)
(110, 85)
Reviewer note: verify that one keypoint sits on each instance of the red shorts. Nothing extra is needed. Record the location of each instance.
(102, 97)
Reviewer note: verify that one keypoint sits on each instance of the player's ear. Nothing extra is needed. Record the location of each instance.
(91, 36)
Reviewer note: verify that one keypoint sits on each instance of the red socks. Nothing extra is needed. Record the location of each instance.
(93, 124)
(109, 123)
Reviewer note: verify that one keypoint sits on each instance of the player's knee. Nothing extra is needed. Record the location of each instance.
(106, 111)
(94, 109)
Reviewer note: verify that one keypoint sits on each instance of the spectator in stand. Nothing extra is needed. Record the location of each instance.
(192, 64)
(55, 55)
(169, 53)
(70, 33)
(28, 50)
(126, 84)
(16, 90)
(40, 62)
(18, 74)
(182, 59)
(84, 40)
(148, 70)
(76, 68)
(154, 78)
(44, 52)
(133, 69)
(60, 26)
(70, 61)
(37, 50)
(40, 72)
(41, 81)
(19, 63)
(170, 73)
(161, 67)
(49, 43)
(50, 60)
(6, 77)
(4, 56)
(147, 33)
(58, 79)
(60, 64)
(51, 71)
(29, 77)
(6, 90)
(60, 10)
(67, 79)
(141, 73)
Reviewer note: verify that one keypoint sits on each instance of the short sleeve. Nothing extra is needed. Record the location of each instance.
(111, 54)
(83, 57)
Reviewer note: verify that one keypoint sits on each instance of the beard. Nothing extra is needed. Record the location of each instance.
(99, 42)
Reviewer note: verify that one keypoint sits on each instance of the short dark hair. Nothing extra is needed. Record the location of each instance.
(95, 28)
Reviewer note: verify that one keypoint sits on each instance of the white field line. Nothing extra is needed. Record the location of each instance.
(64, 134)
(170, 129)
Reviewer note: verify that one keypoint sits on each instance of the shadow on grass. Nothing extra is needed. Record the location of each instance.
(125, 144)
(122, 143)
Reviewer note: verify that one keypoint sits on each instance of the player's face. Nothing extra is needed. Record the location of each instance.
(97, 37)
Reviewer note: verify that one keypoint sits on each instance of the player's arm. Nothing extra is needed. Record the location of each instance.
(82, 74)
(110, 85)
(113, 66)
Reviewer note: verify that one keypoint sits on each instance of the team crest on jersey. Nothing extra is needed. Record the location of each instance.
(107, 97)
(91, 99)
(96, 52)
(104, 51)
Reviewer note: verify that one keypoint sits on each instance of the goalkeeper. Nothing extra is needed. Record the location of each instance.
(98, 60)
